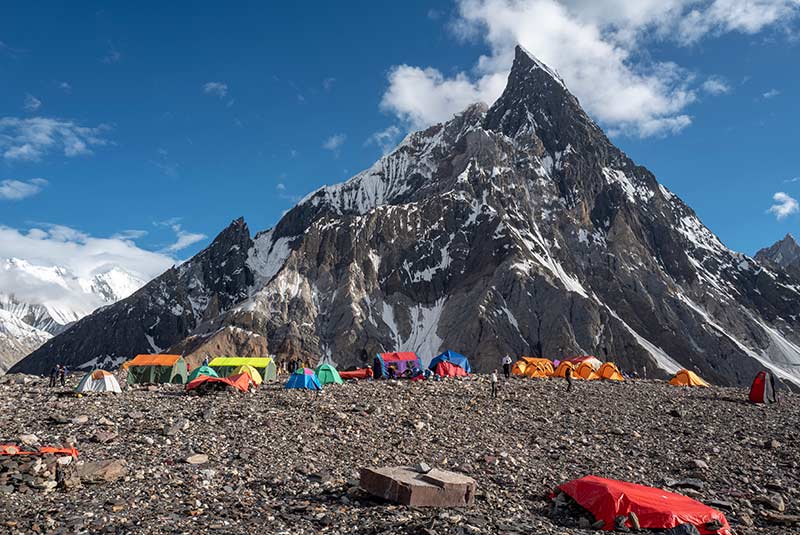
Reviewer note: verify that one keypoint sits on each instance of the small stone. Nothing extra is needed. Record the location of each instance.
(80, 420)
(197, 458)
(699, 464)
(28, 439)
(423, 468)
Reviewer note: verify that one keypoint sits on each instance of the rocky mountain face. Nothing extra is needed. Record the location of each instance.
(38, 302)
(518, 228)
(783, 254)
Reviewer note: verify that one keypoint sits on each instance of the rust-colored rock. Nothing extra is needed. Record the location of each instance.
(407, 486)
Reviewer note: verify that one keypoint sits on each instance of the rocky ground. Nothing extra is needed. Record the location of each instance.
(280, 461)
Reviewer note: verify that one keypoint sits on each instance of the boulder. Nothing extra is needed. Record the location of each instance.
(102, 471)
(407, 486)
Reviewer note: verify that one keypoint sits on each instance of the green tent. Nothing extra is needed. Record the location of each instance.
(202, 370)
(265, 366)
(327, 374)
(156, 369)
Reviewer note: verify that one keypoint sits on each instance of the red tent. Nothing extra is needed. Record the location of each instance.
(656, 509)
(448, 369)
(240, 382)
(763, 389)
(360, 373)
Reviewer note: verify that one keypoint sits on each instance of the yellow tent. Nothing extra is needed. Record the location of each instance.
(610, 372)
(687, 378)
(562, 368)
(227, 366)
(585, 370)
(252, 372)
(519, 367)
(538, 368)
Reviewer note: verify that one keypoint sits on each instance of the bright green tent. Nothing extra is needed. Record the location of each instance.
(202, 370)
(265, 366)
(327, 374)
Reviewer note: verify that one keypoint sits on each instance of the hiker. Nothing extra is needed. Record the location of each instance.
(568, 377)
(205, 361)
(507, 366)
(391, 371)
(53, 376)
(493, 381)
(62, 374)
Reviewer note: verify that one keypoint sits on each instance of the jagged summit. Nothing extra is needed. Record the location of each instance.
(519, 229)
(784, 253)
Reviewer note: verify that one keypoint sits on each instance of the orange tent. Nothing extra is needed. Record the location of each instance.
(594, 361)
(539, 368)
(562, 368)
(610, 372)
(585, 370)
(519, 367)
(687, 378)
(152, 360)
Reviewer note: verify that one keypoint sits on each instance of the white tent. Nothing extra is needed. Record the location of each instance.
(98, 381)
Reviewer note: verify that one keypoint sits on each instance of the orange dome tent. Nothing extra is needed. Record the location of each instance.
(687, 378)
(539, 368)
(520, 366)
(590, 359)
(610, 372)
(562, 369)
(585, 370)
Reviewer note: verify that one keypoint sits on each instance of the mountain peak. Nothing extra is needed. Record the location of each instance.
(784, 253)
(525, 61)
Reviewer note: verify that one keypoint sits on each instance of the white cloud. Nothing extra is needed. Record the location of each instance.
(130, 234)
(113, 55)
(183, 238)
(327, 83)
(281, 186)
(65, 87)
(32, 103)
(30, 139)
(48, 246)
(715, 85)
(784, 206)
(15, 190)
(217, 89)
(334, 142)
(385, 139)
(771, 93)
(597, 48)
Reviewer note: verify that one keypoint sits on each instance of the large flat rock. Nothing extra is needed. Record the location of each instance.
(407, 486)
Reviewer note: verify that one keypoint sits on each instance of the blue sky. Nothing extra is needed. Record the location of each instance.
(157, 125)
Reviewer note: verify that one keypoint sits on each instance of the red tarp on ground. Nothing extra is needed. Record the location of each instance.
(360, 373)
(240, 382)
(656, 509)
(448, 369)
(11, 449)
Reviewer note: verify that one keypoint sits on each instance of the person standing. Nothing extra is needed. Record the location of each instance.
(62, 374)
(493, 381)
(507, 366)
(568, 377)
(54, 376)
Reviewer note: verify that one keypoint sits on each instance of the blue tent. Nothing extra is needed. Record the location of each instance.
(304, 378)
(452, 357)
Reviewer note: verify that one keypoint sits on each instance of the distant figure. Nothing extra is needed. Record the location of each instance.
(507, 366)
(205, 361)
(54, 375)
(493, 382)
(568, 377)
(391, 371)
(62, 374)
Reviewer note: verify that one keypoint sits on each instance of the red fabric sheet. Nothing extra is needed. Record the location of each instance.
(448, 369)
(655, 508)
(240, 382)
(398, 357)
(757, 390)
(361, 373)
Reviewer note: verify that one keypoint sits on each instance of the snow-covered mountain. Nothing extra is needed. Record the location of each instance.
(517, 228)
(782, 255)
(37, 302)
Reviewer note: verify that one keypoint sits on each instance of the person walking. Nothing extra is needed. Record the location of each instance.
(507, 366)
(568, 377)
(62, 374)
(493, 381)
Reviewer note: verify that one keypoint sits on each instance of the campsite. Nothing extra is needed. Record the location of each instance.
(286, 460)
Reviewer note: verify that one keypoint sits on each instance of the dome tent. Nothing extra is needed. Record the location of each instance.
(453, 358)
(226, 366)
(99, 381)
(327, 374)
(202, 370)
(401, 361)
(305, 379)
(687, 378)
(251, 371)
(538, 367)
(610, 372)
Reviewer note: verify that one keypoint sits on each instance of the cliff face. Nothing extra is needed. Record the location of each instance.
(516, 229)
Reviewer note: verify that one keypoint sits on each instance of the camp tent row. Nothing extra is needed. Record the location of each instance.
(586, 367)
(406, 363)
